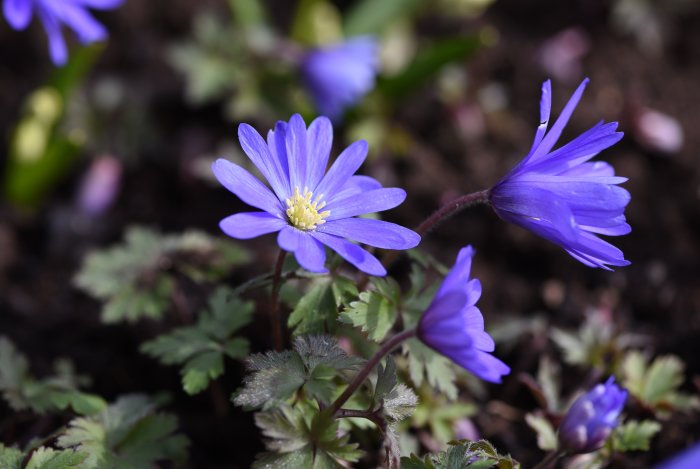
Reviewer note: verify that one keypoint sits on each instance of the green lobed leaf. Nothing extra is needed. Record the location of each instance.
(127, 434)
(375, 311)
(317, 310)
(546, 434)
(10, 458)
(462, 455)
(635, 435)
(424, 364)
(49, 458)
(201, 348)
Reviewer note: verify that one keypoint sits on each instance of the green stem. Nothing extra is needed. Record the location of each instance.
(275, 313)
(360, 377)
(549, 460)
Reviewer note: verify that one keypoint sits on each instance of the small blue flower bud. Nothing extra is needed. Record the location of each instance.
(592, 417)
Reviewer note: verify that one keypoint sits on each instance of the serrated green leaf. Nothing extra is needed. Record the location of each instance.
(10, 458)
(462, 455)
(127, 434)
(317, 310)
(201, 348)
(400, 403)
(49, 458)
(386, 379)
(133, 278)
(375, 311)
(546, 435)
(657, 384)
(634, 435)
(426, 364)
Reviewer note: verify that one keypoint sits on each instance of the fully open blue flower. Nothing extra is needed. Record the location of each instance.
(339, 75)
(454, 326)
(55, 13)
(561, 195)
(307, 205)
(592, 417)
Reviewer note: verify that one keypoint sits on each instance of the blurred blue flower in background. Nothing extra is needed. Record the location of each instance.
(55, 13)
(453, 325)
(563, 197)
(592, 418)
(339, 75)
(688, 459)
(308, 206)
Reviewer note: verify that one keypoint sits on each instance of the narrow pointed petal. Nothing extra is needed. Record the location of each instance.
(246, 187)
(246, 225)
(319, 142)
(377, 233)
(545, 110)
(18, 13)
(367, 202)
(295, 144)
(342, 169)
(352, 253)
(259, 153)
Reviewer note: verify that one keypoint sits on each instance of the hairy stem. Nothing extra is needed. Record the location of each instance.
(360, 377)
(442, 214)
(275, 313)
(365, 414)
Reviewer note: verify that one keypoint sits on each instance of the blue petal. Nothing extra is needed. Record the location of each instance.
(352, 253)
(366, 202)
(443, 306)
(545, 110)
(80, 21)
(248, 225)
(553, 135)
(278, 149)
(311, 254)
(377, 233)
(101, 4)
(289, 238)
(319, 140)
(357, 184)
(57, 44)
(295, 143)
(259, 153)
(342, 169)
(18, 13)
(246, 187)
(458, 276)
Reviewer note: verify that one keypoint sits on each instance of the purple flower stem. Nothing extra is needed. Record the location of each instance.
(277, 335)
(549, 460)
(360, 377)
(372, 416)
(443, 213)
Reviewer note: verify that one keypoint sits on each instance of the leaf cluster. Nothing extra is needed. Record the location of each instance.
(317, 311)
(41, 458)
(376, 310)
(57, 392)
(201, 348)
(462, 454)
(136, 279)
(276, 376)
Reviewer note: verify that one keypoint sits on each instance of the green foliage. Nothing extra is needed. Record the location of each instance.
(10, 458)
(375, 311)
(546, 434)
(424, 364)
(656, 384)
(395, 400)
(56, 392)
(137, 279)
(298, 439)
(371, 17)
(634, 435)
(128, 434)
(201, 348)
(276, 376)
(49, 458)
(439, 415)
(462, 455)
(317, 311)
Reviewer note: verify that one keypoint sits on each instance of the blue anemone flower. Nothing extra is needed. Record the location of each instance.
(592, 418)
(453, 326)
(561, 196)
(308, 206)
(55, 13)
(688, 459)
(339, 75)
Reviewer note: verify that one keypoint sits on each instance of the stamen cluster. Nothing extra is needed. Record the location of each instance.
(303, 210)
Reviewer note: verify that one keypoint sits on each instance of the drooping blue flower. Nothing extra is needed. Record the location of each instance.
(453, 326)
(562, 196)
(308, 206)
(339, 75)
(592, 418)
(688, 459)
(56, 13)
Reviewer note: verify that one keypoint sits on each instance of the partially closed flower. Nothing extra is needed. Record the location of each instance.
(562, 196)
(453, 326)
(56, 13)
(339, 75)
(592, 418)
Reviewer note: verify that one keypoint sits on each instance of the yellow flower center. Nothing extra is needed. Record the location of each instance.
(303, 210)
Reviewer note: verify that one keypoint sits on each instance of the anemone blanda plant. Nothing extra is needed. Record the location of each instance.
(56, 13)
(308, 206)
(562, 196)
(592, 418)
(339, 75)
(454, 327)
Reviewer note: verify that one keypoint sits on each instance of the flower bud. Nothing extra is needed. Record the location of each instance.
(592, 418)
